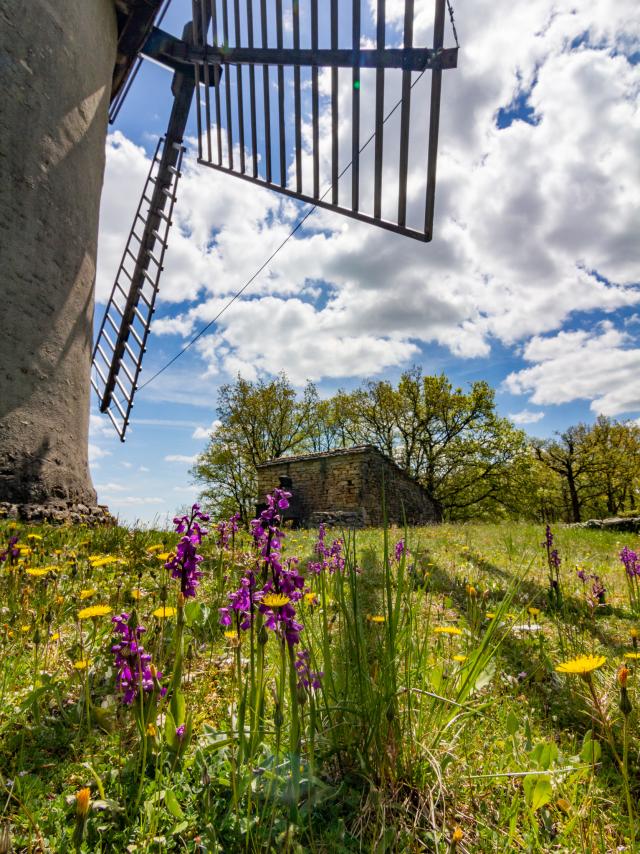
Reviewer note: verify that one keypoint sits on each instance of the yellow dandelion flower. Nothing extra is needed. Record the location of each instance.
(94, 611)
(582, 665)
(275, 600)
(163, 612)
(471, 590)
(230, 634)
(137, 594)
(457, 835)
(87, 594)
(104, 561)
(634, 634)
(157, 548)
(460, 658)
(375, 618)
(534, 612)
(447, 630)
(83, 801)
(55, 636)
(34, 537)
(25, 628)
(165, 556)
(311, 598)
(38, 572)
(490, 615)
(633, 655)
(59, 600)
(152, 730)
(25, 551)
(82, 664)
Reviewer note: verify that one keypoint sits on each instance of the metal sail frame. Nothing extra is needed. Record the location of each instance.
(199, 65)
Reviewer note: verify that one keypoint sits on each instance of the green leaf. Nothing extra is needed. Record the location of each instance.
(542, 793)
(178, 707)
(170, 732)
(591, 751)
(485, 677)
(192, 613)
(544, 754)
(188, 729)
(435, 678)
(513, 723)
(171, 803)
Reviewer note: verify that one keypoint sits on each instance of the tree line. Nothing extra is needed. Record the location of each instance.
(472, 462)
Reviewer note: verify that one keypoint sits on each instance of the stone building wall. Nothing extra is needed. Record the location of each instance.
(345, 487)
(405, 499)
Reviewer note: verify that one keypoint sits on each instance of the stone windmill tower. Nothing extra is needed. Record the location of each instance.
(62, 63)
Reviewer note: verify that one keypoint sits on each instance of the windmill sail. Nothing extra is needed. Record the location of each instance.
(273, 118)
(246, 130)
(122, 339)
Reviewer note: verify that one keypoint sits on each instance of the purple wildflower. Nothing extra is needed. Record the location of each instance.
(241, 603)
(282, 621)
(331, 557)
(307, 678)
(552, 554)
(132, 662)
(180, 732)
(553, 561)
(278, 577)
(227, 530)
(11, 553)
(399, 550)
(184, 564)
(598, 590)
(582, 575)
(630, 560)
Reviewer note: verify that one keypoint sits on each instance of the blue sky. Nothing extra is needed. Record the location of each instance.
(530, 283)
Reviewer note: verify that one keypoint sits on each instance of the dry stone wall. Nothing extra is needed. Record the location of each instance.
(346, 486)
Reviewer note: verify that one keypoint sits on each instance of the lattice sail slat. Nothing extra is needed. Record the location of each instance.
(121, 341)
(277, 124)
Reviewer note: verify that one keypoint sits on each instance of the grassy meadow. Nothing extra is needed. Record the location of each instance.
(417, 709)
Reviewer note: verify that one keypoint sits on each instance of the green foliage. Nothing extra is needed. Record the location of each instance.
(473, 463)
(596, 468)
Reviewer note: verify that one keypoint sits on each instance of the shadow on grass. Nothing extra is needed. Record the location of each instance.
(528, 656)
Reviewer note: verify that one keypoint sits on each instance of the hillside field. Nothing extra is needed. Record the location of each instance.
(417, 709)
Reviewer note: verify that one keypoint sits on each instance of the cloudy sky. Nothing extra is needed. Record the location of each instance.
(531, 281)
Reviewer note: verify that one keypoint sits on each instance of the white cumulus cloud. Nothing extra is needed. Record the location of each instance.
(601, 365)
(536, 222)
(181, 458)
(526, 416)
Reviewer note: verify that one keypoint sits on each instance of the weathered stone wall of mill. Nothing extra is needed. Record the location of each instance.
(56, 64)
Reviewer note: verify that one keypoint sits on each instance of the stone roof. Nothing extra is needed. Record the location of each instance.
(320, 455)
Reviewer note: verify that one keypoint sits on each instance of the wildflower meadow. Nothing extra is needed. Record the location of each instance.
(451, 688)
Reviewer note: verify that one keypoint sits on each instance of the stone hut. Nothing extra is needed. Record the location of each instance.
(345, 487)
